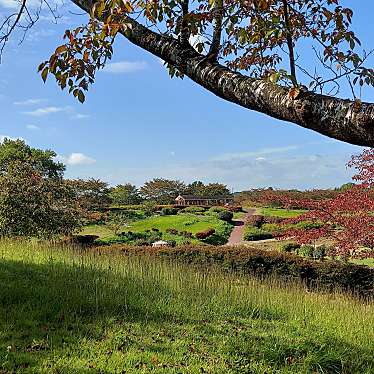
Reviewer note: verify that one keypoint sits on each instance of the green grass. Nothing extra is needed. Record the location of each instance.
(83, 312)
(99, 230)
(279, 212)
(180, 222)
(365, 261)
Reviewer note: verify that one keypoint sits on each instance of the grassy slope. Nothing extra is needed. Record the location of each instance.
(65, 312)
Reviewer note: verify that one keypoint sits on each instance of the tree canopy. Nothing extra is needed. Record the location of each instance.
(35, 200)
(247, 52)
(40, 161)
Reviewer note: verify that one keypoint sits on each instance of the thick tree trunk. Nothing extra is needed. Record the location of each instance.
(340, 119)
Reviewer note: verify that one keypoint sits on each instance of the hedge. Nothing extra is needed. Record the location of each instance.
(328, 275)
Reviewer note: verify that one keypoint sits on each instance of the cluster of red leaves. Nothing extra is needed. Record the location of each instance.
(347, 219)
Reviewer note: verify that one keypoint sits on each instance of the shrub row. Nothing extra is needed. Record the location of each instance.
(327, 275)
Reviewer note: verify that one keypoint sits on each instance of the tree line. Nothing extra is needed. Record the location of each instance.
(36, 199)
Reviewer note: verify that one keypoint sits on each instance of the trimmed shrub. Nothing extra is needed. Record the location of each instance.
(254, 233)
(217, 209)
(226, 216)
(205, 234)
(193, 209)
(290, 247)
(256, 220)
(235, 208)
(85, 239)
(168, 211)
(320, 252)
(172, 243)
(172, 231)
(306, 251)
(273, 219)
(186, 234)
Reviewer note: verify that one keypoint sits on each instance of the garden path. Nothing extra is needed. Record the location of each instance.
(236, 237)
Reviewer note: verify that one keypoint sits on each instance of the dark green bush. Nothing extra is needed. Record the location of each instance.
(84, 239)
(172, 231)
(217, 209)
(290, 247)
(226, 216)
(306, 251)
(169, 211)
(254, 233)
(193, 209)
(320, 252)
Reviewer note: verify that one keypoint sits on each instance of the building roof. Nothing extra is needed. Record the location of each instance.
(192, 197)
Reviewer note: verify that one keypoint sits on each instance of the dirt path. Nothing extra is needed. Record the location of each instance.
(236, 237)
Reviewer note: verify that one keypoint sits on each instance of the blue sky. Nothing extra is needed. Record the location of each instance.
(137, 123)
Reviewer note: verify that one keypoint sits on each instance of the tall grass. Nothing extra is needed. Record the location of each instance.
(69, 311)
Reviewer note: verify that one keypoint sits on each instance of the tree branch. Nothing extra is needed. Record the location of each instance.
(217, 30)
(336, 118)
(289, 42)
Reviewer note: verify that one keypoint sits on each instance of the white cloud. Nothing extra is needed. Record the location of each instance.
(29, 102)
(45, 111)
(32, 127)
(80, 116)
(124, 67)
(257, 154)
(76, 159)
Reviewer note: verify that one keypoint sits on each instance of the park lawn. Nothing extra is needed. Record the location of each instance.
(101, 231)
(180, 222)
(280, 212)
(65, 311)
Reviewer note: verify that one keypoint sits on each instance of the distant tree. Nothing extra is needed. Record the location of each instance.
(345, 186)
(210, 190)
(213, 190)
(41, 161)
(33, 205)
(162, 191)
(195, 188)
(93, 194)
(125, 194)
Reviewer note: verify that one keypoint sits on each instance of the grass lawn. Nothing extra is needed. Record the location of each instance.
(80, 312)
(180, 222)
(365, 261)
(99, 230)
(279, 212)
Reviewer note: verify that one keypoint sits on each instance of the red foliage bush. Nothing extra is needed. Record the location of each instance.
(256, 220)
(205, 234)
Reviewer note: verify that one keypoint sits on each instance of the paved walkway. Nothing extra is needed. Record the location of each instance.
(236, 237)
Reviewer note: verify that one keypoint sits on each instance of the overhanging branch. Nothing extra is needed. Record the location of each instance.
(345, 120)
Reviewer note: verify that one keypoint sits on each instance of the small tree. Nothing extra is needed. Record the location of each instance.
(32, 205)
(346, 219)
